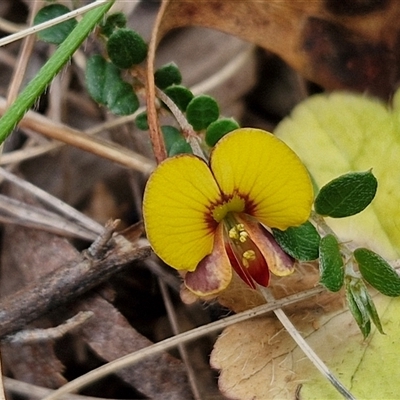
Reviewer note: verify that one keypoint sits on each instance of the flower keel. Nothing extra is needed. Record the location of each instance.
(214, 272)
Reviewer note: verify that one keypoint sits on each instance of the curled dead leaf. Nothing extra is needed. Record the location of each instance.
(352, 45)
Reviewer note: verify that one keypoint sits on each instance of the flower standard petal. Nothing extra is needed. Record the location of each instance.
(176, 211)
(263, 170)
(214, 272)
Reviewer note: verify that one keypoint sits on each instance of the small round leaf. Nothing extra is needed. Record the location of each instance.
(201, 111)
(377, 272)
(171, 135)
(175, 143)
(141, 121)
(180, 147)
(301, 242)
(167, 75)
(219, 128)
(331, 264)
(99, 75)
(346, 195)
(57, 33)
(121, 99)
(113, 21)
(180, 95)
(106, 86)
(126, 47)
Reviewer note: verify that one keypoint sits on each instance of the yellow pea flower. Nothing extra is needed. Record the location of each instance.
(207, 219)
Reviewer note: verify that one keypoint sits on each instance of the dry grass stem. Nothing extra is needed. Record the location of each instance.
(38, 392)
(174, 341)
(76, 138)
(173, 320)
(23, 59)
(92, 227)
(19, 213)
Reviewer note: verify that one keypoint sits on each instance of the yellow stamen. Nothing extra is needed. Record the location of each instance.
(233, 233)
(249, 255)
(243, 235)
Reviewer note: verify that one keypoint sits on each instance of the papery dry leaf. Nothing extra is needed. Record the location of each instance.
(34, 363)
(30, 254)
(338, 45)
(259, 360)
(26, 255)
(109, 334)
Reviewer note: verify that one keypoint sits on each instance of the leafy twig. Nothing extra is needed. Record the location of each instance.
(60, 57)
(54, 21)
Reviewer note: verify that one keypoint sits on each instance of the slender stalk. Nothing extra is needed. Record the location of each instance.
(2, 395)
(308, 351)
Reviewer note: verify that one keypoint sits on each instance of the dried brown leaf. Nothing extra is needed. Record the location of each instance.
(34, 363)
(258, 358)
(109, 334)
(33, 255)
(28, 254)
(346, 46)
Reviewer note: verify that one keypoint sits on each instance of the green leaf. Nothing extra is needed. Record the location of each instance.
(331, 264)
(357, 307)
(341, 132)
(121, 99)
(180, 147)
(167, 75)
(377, 272)
(113, 21)
(106, 86)
(368, 368)
(171, 135)
(57, 33)
(125, 48)
(99, 75)
(141, 121)
(201, 111)
(41, 80)
(175, 143)
(370, 307)
(346, 195)
(301, 242)
(180, 95)
(219, 128)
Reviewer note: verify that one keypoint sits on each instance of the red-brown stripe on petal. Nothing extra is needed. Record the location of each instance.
(243, 273)
(279, 263)
(248, 262)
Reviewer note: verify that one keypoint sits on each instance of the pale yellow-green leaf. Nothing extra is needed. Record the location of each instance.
(259, 360)
(341, 132)
(370, 369)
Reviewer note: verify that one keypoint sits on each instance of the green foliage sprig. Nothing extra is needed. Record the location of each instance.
(61, 56)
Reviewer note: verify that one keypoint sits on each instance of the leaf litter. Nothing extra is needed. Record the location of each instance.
(41, 252)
